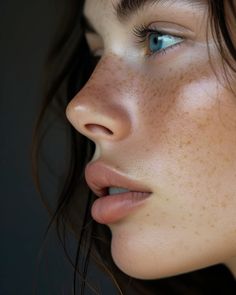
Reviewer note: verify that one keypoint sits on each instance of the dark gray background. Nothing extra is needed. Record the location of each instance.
(26, 30)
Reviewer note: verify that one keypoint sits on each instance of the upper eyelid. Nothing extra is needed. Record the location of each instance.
(142, 33)
(170, 28)
(87, 25)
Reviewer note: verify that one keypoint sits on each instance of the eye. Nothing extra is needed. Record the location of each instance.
(158, 42)
(154, 41)
(95, 47)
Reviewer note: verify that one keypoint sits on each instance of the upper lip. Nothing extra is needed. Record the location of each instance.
(100, 177)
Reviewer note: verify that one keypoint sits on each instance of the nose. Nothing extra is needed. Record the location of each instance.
(99, 111)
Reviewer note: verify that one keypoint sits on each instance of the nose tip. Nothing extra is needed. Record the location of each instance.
(98, 121)
(100, 111)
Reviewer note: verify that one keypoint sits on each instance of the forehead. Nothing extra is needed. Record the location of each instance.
(101, 14)
(94, 7)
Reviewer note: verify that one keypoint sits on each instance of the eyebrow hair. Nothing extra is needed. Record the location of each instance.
(126, 8)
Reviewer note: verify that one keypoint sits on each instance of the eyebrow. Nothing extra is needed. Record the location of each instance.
(126, 8)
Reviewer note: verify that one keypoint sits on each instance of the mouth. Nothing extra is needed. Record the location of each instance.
(117, 190)
(104, 180)
(117, 195)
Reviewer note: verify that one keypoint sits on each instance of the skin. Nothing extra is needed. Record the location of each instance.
(170, 121)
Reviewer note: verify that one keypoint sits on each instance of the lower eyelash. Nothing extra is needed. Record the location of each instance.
(164, 50)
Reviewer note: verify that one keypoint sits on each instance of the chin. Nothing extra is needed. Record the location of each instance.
(146, 268)
(140, 263)
(153, 261)
(140, 268)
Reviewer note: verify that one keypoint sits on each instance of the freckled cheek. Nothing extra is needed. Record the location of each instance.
(182, 123)
(172, 106)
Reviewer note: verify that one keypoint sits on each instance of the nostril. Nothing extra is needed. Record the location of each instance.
(99, 129)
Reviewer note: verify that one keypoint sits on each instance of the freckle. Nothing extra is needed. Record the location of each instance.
(147, 214)
(181, 77)
(203, 208)
(197, 233)
(227, 159)
(190, 214)
(223, 204)
(173, 226)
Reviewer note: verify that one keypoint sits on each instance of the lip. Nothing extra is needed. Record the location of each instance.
(111, 208)
(99, 177)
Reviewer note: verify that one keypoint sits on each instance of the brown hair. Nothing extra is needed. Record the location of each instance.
(68, 67)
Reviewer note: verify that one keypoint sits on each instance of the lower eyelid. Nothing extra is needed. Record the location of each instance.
(166, 53)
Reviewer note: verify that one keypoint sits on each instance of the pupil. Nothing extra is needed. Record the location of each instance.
(155, 42)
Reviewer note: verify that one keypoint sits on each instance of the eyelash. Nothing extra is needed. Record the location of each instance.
(143, 33)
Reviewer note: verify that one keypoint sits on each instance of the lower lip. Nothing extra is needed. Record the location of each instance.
(112, 208)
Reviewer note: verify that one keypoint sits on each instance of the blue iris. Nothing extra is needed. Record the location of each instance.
(158, 42)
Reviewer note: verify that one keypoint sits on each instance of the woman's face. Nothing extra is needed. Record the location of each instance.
(159, 116)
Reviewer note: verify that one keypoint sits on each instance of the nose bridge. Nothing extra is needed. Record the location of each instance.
(98, 110)
(110, 72)
(107, 64)
(105, 84)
